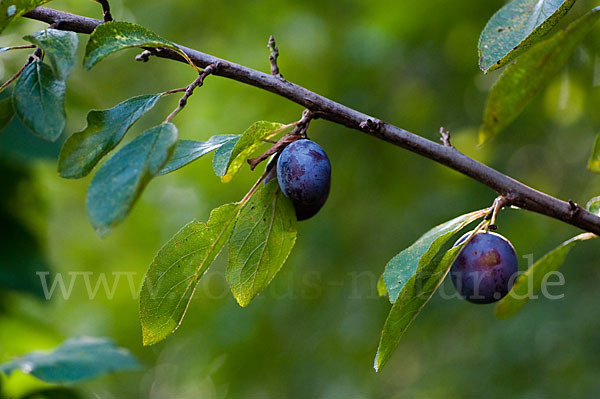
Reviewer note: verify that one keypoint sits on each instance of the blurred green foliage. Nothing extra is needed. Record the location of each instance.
(313, 333)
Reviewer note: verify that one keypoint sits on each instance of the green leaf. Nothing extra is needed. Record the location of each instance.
(415, 294)
(593, 206)
(594, 162)
(105, 129)
(12, 9)
(187, 151)
(230, 158)
(77, 359)
(7, 111)
(524, 79)
(60, 47)
(222, 155)
(39, 101)
(403, 266)
(172, 278)
(120, 181)
(531, 281)
(260, 243)
(118, 35)
(516, 27)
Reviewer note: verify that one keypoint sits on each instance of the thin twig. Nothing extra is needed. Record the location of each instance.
(481, 226)
(299, 132)
(173, 91)
(522, 195)
(445, 139)
(105, 10)
(190, 90)
(13, 78)
(18, 47)
(499, 203)
(37, 54)
(273, 55)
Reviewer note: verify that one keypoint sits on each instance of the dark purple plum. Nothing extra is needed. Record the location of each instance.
(304, 175)
(485, 269)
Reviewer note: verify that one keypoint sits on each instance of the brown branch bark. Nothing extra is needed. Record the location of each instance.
(517, 193)
(105, 10)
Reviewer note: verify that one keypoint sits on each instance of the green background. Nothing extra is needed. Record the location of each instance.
(313, 333)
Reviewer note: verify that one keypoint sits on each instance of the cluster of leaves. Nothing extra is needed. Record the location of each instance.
(38, 97)
(518, 31)
(260, 235)
(411, 278)
(260, 229)
(514, 33)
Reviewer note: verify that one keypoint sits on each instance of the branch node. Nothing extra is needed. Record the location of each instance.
(273, 55)
(445, 139)
(574, 209)
(37, 54)
(499, 203)
(372, 125)
(144, 56)
(299, 132)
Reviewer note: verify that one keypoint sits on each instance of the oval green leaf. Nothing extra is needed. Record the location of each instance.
(120, 181)
(415, 294)
(39, 101)
(187, 151)
(524, 79)
(118, 35)
(105, 129)
(172, 278)
(260, 243)
(516, 27)
(60, 47)
(402, 267)
(77, 359)
(531, 281)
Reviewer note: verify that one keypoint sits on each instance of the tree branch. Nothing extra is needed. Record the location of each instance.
(517, 193)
